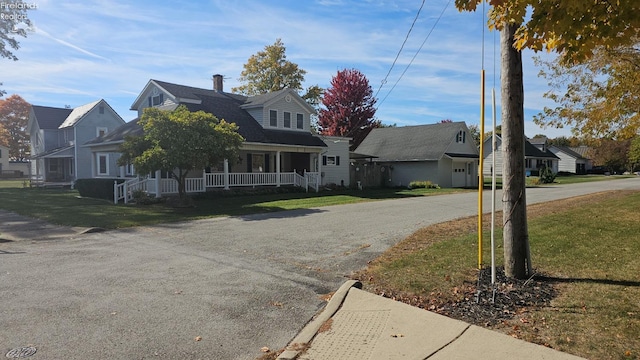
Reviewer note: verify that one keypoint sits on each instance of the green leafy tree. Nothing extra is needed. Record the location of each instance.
(179, 141)
(269, 71)
(634, 153)
(574, 29)
(14, 116)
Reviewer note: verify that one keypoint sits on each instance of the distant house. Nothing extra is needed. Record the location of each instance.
(442, 153)
(572, 160)
(276, 127)
(534, 157)
(57, 135)
(11, 168)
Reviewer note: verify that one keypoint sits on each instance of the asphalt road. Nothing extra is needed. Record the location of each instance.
(209, 289)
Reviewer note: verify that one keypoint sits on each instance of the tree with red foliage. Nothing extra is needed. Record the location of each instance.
(348, 107)
(14, 116)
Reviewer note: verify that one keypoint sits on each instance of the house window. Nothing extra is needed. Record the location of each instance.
(128, 170)
(331, 160)
(156, 100)
(101, 109)
(103, 164)
(101, 131)
(71, 167)
(299, 121)
(461, 137)
(527, 163)
(273, 118)
(287, 119)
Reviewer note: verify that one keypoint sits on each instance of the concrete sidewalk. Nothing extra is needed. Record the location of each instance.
(359, 325)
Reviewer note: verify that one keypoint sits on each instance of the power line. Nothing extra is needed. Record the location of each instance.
(416, 54)
(384, 81)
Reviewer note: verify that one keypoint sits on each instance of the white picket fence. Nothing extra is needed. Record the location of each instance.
(125, 191)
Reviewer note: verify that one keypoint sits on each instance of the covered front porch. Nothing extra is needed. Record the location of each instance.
(53, 168)
(256, 165)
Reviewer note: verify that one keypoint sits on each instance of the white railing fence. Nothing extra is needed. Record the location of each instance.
(125, 190)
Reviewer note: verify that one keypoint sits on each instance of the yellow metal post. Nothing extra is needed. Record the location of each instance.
(481, 170)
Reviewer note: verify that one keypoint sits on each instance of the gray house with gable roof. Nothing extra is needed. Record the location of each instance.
(276, 128)
(57, 135)
(442, 153)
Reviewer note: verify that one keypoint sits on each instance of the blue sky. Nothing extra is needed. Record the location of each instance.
(81, 51)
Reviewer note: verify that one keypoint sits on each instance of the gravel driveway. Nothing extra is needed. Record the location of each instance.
(209, 289)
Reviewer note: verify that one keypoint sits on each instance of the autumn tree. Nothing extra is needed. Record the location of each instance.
(179, 141)
(611, 154)
(572, 29)
(14, 116)
(348, 107)
(596, 98)
(14, 23)
(269, 71)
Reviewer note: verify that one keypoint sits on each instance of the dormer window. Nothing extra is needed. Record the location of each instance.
(287, 119)
(273, 118)
(300, 121)
(156, 98)
(461, 137)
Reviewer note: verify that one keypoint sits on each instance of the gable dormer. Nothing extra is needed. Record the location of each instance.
(155, 95)
(280, 110)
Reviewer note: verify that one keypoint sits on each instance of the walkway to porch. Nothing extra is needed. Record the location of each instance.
(159, 187)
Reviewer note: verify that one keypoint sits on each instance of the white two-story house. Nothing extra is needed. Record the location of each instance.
(276, 128)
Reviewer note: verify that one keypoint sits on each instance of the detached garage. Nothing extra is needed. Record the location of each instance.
(442, 153)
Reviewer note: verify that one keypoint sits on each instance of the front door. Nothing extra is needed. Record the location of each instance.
(300, 162)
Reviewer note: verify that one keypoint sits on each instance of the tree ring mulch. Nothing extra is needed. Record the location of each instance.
(487, 304)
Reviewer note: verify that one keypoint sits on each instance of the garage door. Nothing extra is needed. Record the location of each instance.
(459, 175)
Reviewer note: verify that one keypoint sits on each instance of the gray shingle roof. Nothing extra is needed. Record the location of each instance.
(410, 143)
(117, 135)
(570, 152)
(50, 118)
(228, 107)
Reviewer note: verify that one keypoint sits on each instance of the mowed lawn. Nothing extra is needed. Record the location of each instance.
(66, 207)
(589, 245)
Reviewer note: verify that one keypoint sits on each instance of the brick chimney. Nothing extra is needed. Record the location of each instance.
(217, 82)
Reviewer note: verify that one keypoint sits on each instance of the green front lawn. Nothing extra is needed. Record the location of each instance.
(65, 207)
(590, 243)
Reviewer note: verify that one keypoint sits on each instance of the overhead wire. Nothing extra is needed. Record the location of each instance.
(384, 81)
(416, 54)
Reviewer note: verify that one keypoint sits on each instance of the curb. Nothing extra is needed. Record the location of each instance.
(305, 336)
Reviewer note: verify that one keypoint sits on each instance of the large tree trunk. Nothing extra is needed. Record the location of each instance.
(515, 235)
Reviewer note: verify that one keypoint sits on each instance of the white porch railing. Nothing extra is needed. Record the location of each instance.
(125, 190)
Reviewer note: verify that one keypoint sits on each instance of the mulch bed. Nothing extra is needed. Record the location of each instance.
(483, 303)
(487, 304)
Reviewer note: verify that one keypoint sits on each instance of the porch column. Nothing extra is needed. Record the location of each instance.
(278, 168)
(158, 190)
(121, 171)
(226, 174)
(320, 182)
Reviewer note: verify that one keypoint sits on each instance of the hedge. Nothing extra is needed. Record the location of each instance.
(97, 188)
